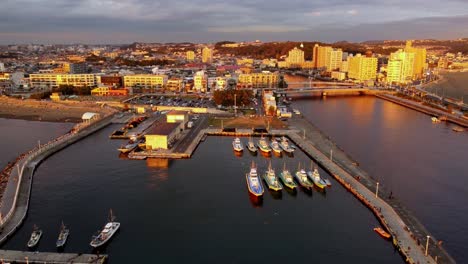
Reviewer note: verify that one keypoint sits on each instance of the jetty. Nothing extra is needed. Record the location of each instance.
(10, 256)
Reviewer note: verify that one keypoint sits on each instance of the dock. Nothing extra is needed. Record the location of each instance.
(425, 109)
(10, 256)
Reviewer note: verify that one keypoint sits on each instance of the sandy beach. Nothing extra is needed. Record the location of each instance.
(67, 111)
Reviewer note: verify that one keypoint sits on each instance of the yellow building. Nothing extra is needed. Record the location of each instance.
(177, 117)
(419, 64)
(400, 67)
(146, 81)
(163, 135)
(258, 80)
(244, 61)
(362, 68)
(51, 81)
(334, 58)
(320, 56)
(200, 81)
(190, 55)
(174, 84)
(207, 55)
(295, 58)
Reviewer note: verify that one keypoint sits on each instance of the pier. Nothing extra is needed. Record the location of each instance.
(425, 109)
(15, 201)
(10, 256)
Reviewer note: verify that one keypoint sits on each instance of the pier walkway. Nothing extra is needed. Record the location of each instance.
(7, 256)
(410, 233)
(424, 109)
(15, 201)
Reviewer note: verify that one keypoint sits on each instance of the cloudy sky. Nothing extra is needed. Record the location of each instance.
(126, 21)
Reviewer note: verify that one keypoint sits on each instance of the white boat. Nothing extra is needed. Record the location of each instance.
(284, 144)
(275, 147)
(253, 182)
(237, 145)
(296, 111)
(35, 237)
(263, 145)
(63, 236)
(107, 232)
(251, 146)
(315, 177)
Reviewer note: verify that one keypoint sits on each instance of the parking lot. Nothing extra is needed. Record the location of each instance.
(165, 100)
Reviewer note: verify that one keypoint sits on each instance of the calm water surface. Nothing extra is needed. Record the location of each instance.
(195, 210)
(423, 164)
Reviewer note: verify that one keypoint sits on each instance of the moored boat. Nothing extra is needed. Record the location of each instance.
(275, 147)
(382, 233)
(63, 236)
(35, 237)
(106, 233)
(287, 178)
(284, 144)
(271, 180)
(458, 129)
(314, 175)
(303, 180)
(263, 145)
(237, 145)
(251, 146)
(253, 182)
(129, 147)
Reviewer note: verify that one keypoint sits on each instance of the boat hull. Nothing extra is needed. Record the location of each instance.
(254, 190)
(34, 241)
(382, 233)
(61, 242)
(272, 186)
(304, 183)
(100, 243)
(289, 184)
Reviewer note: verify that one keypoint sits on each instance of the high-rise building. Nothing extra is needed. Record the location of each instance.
(2, 67)
(320, 56)
(400, 67)
(295, 58)
(190, 55)
(200, 81)
(362, 68)
(419, 64)
(264, 79)
(207, 55)
(334, 58)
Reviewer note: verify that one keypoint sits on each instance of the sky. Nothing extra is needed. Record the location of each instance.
(128, 21)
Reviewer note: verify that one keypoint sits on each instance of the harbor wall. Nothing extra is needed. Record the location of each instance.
(15, 203)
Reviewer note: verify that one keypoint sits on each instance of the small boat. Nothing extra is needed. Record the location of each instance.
(63, 236)
(296, 111)
(435, 120)
(253, 182)
(327, 181)
(271, 180)
(263, 145)
(35, 237)
(284, 144)
(251, 146)
(458, 129)
(315, 177)
(287, 178)
(382, 233)
(129, 147)
(302, 179)
(106, 233)
(237, 145)
(275, 147)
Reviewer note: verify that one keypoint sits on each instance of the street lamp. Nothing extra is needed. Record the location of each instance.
(427, 244)
(377, 190)
(235, 104)
(331, 155)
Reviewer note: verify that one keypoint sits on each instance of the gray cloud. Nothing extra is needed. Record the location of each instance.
(110, 21)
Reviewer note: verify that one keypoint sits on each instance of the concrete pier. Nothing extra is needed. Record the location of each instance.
(10, 256)
(15, 202)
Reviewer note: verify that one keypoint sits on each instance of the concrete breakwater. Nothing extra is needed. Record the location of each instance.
(49, 257)
(15, 201)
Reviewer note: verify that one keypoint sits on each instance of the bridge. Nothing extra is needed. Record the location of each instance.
(324, 91)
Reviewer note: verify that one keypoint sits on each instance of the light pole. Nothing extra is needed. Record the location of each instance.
(331, 155)
(377, 190)
(427, 244)
(235, 104)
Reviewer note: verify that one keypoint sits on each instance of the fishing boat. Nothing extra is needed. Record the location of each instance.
(129, 147)
(237, 145)
(253, 182)
(263, 145)
(271, 180)
(287, 178)
(284, 144)
(458, 129)
(382, 233)
(327, 181)
(435, 119)
(35, 237)
(106, 233)
(302, 179)
(315, 177)
(275, 147)
(63, 236)
(251, 146)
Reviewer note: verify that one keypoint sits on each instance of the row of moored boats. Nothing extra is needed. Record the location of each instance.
(97, 241)
(276, 146)
(285, 179)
